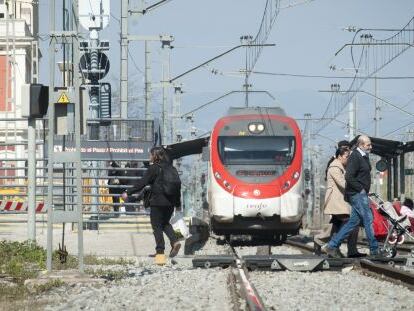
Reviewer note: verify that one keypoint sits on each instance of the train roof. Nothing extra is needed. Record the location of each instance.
(234, 111)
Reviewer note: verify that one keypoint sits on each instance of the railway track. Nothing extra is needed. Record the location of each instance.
(241, 288)
(389, 272)
(252, 278)
(386, 268)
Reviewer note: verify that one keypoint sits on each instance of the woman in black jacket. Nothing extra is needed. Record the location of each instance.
(162, 207)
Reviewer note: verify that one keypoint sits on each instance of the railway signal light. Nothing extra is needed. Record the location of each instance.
(35, 100)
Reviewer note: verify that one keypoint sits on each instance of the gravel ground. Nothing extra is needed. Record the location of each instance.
(329, 291)
(173, 287)
(180, 287)
(149, 287)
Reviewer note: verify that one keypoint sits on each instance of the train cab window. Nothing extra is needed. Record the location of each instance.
(259, 150)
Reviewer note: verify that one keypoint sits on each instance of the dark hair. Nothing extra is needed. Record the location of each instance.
(409, 203)
(344, 143)
(339, 152)
(159, 155)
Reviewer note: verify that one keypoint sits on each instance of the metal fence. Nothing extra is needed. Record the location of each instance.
(102, 180)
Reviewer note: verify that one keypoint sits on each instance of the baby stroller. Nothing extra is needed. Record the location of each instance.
(388, 226)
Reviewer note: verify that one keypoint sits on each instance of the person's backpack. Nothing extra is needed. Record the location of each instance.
(170, 182)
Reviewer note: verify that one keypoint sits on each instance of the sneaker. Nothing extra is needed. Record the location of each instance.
(332, 252)
(175, 249)
(357, 255)
(160, 259)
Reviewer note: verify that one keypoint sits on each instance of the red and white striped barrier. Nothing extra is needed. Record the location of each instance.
(20, 206)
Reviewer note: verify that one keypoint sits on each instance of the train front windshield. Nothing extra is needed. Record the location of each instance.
(256, 150)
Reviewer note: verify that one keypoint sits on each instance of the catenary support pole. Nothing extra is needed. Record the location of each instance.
(31, 177)
(124, 66)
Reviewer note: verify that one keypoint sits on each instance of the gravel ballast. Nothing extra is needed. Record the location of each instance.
(173, 287)
(329, 291)
(179, 286)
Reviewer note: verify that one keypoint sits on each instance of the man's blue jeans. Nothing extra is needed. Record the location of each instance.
(360, 212)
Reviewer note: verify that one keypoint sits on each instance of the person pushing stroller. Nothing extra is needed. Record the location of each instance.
(358, 182)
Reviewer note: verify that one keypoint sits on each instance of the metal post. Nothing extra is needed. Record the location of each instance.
(410, 164)
(148, 108)
(389, 179)
(31, 177)
(246, 78)
(377, 119)
(309, 200)
(124, 62)
(176, 112)
(51, 127)
(395, 177)
(31, 152)
(78, 163)
(165, 79)
(94, 88)
(316, 190)
(402, 177)
(352, 127)
(94, 108)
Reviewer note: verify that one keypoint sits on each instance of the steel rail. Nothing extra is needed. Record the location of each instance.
(246, 291)
(300, 245)
(395, 274)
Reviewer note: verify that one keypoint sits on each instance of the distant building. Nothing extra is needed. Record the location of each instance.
(19, 26)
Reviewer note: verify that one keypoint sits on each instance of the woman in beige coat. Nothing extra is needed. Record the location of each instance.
(335, 204)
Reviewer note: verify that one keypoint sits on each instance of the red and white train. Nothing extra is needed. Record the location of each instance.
(255, 173)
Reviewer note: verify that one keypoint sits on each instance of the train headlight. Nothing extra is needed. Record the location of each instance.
(296, 175)
(252, 128)
(218, 176)
(226, 184)
(256, 128)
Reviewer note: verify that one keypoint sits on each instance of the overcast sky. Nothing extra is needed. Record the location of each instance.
(306, 38)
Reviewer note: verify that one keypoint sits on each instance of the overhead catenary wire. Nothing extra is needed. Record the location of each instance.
(328, 77)
(383, 52)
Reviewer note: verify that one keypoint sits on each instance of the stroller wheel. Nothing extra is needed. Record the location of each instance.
(401, 239)
(393, 238)
(389, 252)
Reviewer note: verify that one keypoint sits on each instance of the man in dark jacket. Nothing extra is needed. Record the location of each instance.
(162, 207)
(358, 182)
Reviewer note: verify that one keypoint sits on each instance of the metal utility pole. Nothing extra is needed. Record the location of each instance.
(176, 113)
(148, 86)
(165, 83)
(31, 149)
(410, 165)
(70, 96)
(166, 46)
(317, 213)
(352, 119)
(31, 177)
(377, 119)
(308, 174)
(124, 62)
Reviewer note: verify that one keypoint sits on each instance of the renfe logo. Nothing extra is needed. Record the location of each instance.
(258, 206)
